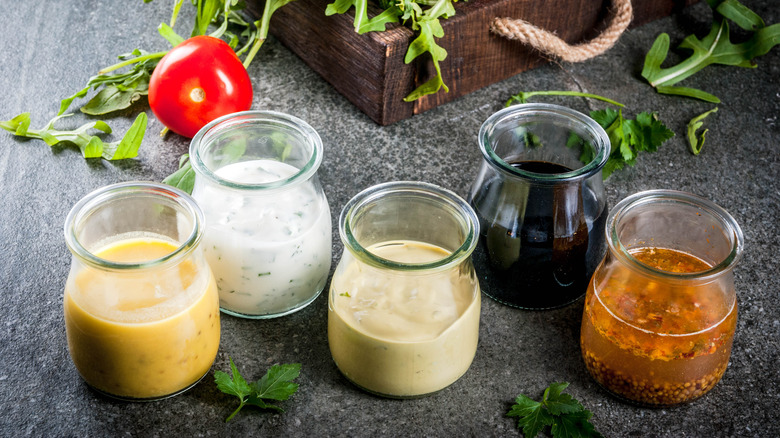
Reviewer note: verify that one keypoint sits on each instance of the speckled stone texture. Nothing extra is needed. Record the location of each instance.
(51, 48)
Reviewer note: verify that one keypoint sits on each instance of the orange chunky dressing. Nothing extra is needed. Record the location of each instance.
(657, 340)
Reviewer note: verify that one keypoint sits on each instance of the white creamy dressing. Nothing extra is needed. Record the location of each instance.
(400, 333)
(270, 251)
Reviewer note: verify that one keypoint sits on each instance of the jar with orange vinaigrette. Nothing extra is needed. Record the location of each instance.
(661, 309)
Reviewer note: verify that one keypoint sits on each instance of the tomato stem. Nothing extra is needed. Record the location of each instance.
(132, 61)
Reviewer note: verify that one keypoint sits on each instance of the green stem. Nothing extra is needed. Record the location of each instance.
(236, 411)
(132, 61)
(523, 97)
(255, 48)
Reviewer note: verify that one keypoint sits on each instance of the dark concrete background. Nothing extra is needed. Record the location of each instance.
(51, 48)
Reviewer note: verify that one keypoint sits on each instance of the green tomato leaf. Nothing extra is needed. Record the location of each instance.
(697, 122)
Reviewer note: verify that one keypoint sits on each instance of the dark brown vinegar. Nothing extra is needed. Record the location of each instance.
(540, 251)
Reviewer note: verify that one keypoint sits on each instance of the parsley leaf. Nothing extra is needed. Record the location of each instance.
(276, 384)
(629, 137)
(565, 416)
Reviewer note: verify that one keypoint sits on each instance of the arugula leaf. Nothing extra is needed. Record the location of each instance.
(184, 178)
(425, 22)
(523, 96)
(630, 137)
(430, 28)
(693, 126)
(274, 385)
(91, 146)
(715, 48)
(121, 90)
(565, 416)
(362, 23)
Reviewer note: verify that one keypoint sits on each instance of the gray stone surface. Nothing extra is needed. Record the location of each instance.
(50, 48)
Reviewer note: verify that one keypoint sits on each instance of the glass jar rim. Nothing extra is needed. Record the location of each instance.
(730, 227)
(229, 121)
(423, 189)
(114, 191)
(534, 110)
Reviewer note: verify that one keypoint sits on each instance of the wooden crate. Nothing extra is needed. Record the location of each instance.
(369, 69)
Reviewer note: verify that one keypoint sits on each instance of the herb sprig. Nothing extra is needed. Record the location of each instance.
(276, 384)
(565, 416)
(424, 21)
(91, 146)
(627, 137)
(715, 48)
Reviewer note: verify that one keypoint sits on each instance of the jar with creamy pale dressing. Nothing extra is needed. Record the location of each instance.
(268, 227)
(404, 304)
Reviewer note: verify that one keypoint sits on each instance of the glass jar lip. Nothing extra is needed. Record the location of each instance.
(114, 191)
(229, 121)
(730, 226)
(527, 110)
(422, 189)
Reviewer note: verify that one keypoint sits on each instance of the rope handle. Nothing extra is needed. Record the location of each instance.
(550, 44)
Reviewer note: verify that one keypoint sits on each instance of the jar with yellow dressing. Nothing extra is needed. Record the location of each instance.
(404, 304)
(141, 305)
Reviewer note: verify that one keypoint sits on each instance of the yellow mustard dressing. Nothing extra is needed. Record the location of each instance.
(142, 335)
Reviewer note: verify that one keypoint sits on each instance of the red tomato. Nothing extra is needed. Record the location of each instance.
(196, 82)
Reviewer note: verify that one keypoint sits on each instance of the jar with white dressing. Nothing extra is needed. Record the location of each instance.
(404, 303)
(267, 236)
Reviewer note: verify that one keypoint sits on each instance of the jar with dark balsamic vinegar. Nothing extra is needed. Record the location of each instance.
(541, 204)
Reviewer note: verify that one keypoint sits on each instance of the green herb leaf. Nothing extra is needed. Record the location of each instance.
(235, 385)
(565, 416)
(184, 178)
(361, 22)
(169, 34)
(90, 145)
(693, 126)
(532, 418)
(629, 137)
(524, 96)
(277, 384)
(274, 385)
(715, 48)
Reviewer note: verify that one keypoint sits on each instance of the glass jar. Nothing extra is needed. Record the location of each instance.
(141, 306)
(404, 305)
(268, 226)
(541, 205)
(661, 310)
